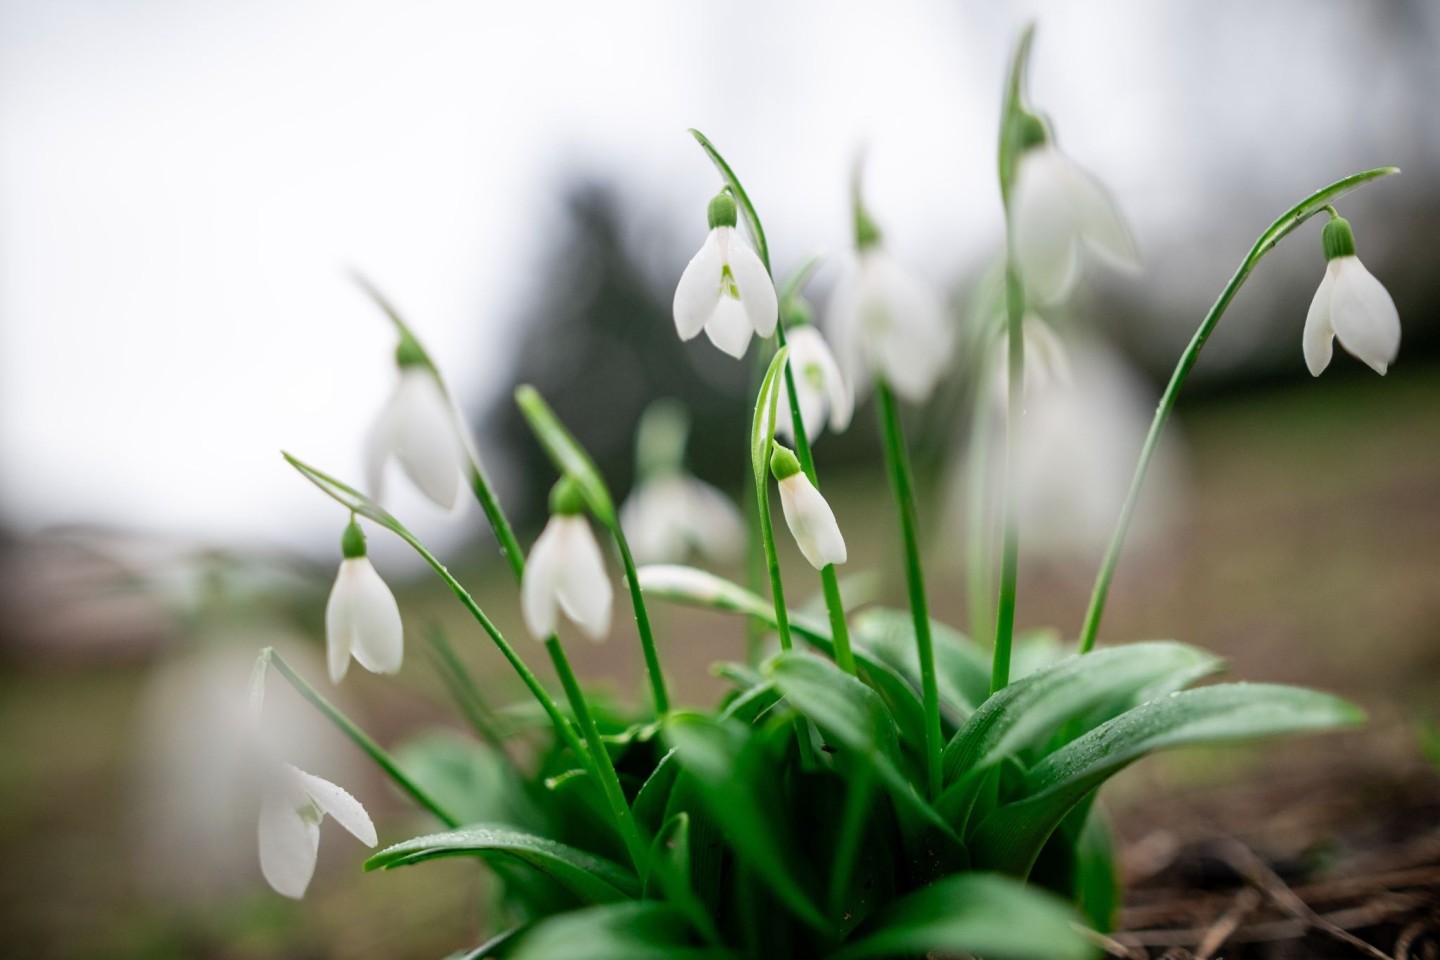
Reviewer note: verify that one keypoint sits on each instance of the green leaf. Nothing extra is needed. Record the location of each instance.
(471, 780)
(852, 714)
(962, 669)
(762, 426)
(348, 497)
(1029, 710)
(670, 851)
(566, 453)
(1010, 112)
(623, 931)
(1009, 839)
(730, 781)
(1312, 205)
(757, 232)
(593, 879)
(978, 914)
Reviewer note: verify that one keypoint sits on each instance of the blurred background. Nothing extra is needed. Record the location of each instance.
(185, 188)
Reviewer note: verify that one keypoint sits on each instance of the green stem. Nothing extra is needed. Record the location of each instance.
(898, 463)
(642, 624)
(504, 535)
(840, 630)
(1010, 535)
(754, 548)
(462, 686)
(772, 563)
(982, 622)
(357, 736)
(609, 780)
(1315, 203)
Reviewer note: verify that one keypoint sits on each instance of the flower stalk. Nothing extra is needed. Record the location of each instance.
(1283, 225)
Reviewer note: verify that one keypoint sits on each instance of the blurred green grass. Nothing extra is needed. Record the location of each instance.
(1310, 554)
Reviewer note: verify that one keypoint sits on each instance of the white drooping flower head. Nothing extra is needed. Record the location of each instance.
(566, 571)
(671, 513)
(420, 430)
(725, 289)
(824, 394)
(886, 323)
(1352, 305)
(362, 619)
(807, 514)
(291, 809)
(1047, 360)
(1056, 209)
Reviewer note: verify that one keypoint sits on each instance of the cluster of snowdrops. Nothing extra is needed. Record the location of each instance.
(874, 783)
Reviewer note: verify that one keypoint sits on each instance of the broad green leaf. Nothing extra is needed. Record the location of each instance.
(727, 779)
(566, 453)
(622, 931)
(591, 878)
(1028, 711)
(962, 669)
(847, 710)
(491, 947)
(1009, 839)
(670, 850)
(980, 914)
(650, 802)
(469, 779)
(1097, 879)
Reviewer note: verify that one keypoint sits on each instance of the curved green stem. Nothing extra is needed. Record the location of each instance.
(1288, 221)
(1010, 534)
(658, 692)
(362, 740)
(490, 504)
(609, 780)
(830, 584)
(898, 463)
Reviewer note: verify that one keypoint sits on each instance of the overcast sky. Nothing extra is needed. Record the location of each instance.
(183, 185)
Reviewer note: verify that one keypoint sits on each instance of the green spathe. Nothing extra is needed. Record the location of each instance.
(1337, 239)
(783, 463)
(352, 541)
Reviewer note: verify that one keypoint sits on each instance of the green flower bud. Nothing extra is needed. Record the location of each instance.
(352, 541)
(1337, 239)
(566, 500)
(722, 211)
(783, 464)
(1030, 132)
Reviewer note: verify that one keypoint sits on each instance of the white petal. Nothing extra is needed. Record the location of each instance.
(1097, 217)
(346, 810)
(757, 290)
(649, 519)
(1364, 315)
(714, 525)
(842, 324)
(428, 445)
(288, 841)
(1045, 232)
(679, 582)
(699, 289)
(811, 522)
(907, 334)
(729, 327)
(377, 637)
(380, 444)
(583, 587)
(542, 576)
(819, 385)
(340, 624)
(1319, 335)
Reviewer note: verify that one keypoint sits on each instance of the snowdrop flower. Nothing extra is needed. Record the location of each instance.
(1047, 360)
(811, 521)
(824, 394)
(566, 570)
(293, 805)
(1055, 208)
(1352, 305)
(725, 289)
(668, 516)
(419, 429)
(361, 618)
(886, 323)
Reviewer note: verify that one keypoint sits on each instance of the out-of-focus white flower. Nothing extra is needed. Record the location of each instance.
(675, 581)
(1055, 208)
(823, 392)
(886, 323)
(565, 570)
(361, 617)
(668, 516)
(725, 289)
(419, 429)
(1352, 305)
(809, 517)
(294, 803)
(1047, 360)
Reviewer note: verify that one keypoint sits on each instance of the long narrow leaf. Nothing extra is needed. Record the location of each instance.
(622, 931)
(566, 453)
